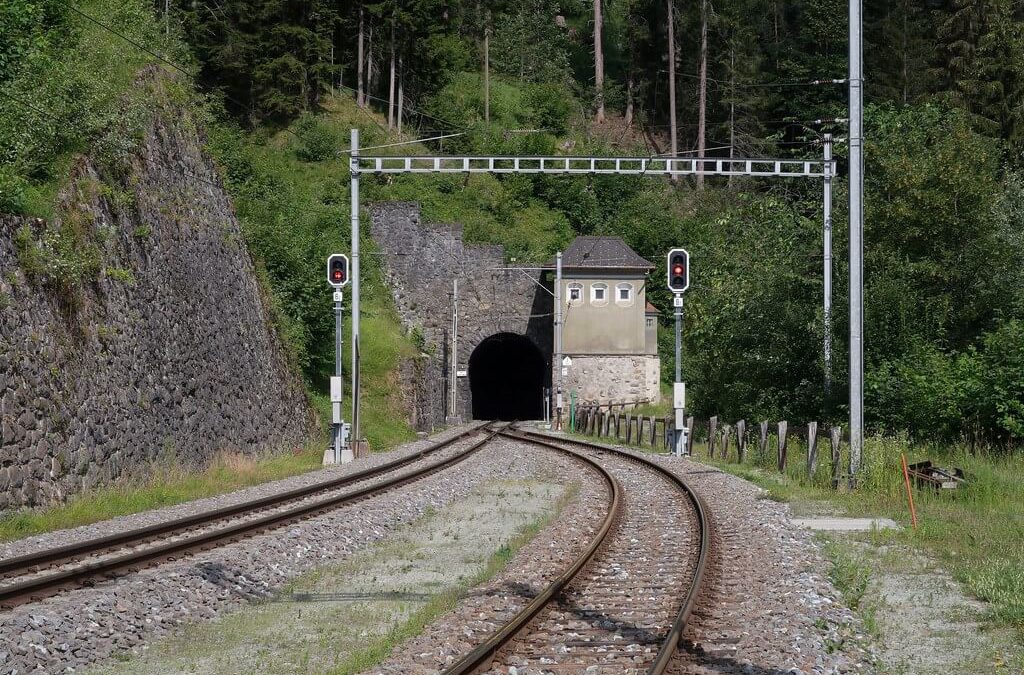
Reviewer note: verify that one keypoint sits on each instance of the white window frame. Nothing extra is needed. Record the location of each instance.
(649, 323)
(594, 288)
(574, 286)
(624, 286)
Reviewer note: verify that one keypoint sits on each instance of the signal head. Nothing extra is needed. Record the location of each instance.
(678, 270)
(337, 270)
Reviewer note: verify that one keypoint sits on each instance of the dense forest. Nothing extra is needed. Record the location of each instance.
(945, 195)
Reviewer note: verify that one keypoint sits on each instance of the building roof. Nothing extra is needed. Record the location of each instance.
(651, 309)
(594, 252)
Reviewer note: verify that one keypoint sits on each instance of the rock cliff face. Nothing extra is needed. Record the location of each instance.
(133, 328)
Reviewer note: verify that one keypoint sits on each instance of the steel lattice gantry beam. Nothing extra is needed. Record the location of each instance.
(626, 166)
(824, 169)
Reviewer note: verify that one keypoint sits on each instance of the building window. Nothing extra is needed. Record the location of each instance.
(599, 294)
(624, 294)
(650, 322)
(575, 294)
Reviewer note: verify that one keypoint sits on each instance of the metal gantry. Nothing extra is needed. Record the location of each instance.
(823, 169)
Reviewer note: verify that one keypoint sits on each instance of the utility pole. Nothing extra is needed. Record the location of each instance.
(558, 340)
(827, 315)
(856, 241)
(354, 173)
(453, 390)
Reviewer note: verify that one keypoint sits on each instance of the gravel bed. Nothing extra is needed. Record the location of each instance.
(482, 612)
(311, 500)
(769, 606)
(90, 625)
(614, 615)
(133, 521)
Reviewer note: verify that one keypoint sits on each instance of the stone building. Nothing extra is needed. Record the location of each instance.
(493, 358)
(609, 329)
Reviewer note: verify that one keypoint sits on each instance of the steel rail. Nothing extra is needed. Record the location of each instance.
(49, 584)
(68, 552)
(671, 642)
(482, 655)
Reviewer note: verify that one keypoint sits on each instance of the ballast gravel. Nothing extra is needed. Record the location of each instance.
(134, 521)
(768, 607)
(90, 625)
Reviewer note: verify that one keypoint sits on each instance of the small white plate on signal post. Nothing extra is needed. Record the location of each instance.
(338, 296)
(677, 301)
(679, 395)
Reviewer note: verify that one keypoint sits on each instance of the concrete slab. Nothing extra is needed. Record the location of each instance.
(833, 524)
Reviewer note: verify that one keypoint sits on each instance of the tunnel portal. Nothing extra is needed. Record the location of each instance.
(506, 378)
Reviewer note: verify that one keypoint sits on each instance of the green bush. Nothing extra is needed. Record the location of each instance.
(318, 141)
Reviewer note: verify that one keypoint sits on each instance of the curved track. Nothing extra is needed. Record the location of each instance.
(30, 577)
(623, 604)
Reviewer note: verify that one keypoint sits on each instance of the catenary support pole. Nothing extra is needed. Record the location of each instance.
(454, 401)
(558, 340)
(827, 314)
(354, 172)
(856, 241)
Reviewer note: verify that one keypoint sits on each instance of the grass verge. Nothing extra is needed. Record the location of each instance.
(162, 485)
(383, 646)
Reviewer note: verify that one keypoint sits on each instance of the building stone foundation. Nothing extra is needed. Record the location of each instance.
(614, 379)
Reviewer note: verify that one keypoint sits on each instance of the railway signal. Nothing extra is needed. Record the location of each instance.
(678, 281)
(678, 270)
(341, 450)
(337, 270)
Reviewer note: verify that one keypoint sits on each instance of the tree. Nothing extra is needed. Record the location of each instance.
(598, 63)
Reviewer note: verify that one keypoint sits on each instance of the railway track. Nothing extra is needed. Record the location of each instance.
(31, 577)
(623, 604)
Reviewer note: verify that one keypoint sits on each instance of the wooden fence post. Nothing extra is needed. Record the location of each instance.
(762, 445)
(689, 437)
(836, 437)
(741, 439)
(713, 431)
(783, 428)
(726, 433)
(654, 433)
(812, 448)
(629, 429)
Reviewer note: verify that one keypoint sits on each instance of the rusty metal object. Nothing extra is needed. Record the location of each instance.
(926, 474)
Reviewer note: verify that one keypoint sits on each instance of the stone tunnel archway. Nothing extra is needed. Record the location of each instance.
(506, 378)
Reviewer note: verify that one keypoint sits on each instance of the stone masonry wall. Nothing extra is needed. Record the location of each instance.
(166, 351)
(421, 259)
(614, 379)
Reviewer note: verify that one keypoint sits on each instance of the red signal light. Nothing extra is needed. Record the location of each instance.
(678, 269)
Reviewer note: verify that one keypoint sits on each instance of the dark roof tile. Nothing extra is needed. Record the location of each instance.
(592, 251)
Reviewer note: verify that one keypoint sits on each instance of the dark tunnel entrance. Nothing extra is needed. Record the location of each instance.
(506, 379)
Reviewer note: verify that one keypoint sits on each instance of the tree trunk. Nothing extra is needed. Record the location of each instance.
(487, 69)
(369, 68)
(674, 144)
(629, 98)
(702, 96)
(732, 106)
(598, 62)
(401, 97)
(360, 95)
(391, 84)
